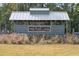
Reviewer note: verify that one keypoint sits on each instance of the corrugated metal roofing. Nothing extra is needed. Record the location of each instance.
(39, 9)
(25, 15)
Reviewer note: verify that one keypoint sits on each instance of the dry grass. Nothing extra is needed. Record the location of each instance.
(43, 50)
(14, 38)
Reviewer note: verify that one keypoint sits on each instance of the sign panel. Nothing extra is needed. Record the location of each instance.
(39, 28)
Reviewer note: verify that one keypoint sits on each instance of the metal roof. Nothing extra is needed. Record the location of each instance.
(39, 9)
(25, 15)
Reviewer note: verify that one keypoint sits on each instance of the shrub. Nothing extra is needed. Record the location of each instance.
(1, 38)
(26, 39)
(62, 39)
(14, 38)
(20, 39)
(34, 39)
(69, 38)
(76, 40)
(41, 41)
(5, 39)
(55, 39)
(45, 39)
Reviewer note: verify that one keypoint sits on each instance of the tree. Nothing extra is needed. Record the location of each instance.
(6, 11)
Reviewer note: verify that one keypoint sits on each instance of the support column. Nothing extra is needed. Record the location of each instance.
(50, 22)
(14, 27)
(66, 27)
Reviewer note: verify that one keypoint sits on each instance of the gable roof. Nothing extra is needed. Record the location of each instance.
(25, 15)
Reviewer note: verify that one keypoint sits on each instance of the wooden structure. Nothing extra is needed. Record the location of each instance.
(40, 21)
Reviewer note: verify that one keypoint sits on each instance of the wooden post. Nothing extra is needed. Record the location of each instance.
(73, 31)
(66, 28)
(14, 27)
(50, 22)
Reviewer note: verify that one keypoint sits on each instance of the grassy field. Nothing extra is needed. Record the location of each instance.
(39, 50)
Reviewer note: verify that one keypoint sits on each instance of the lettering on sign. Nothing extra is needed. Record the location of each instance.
(44, 28)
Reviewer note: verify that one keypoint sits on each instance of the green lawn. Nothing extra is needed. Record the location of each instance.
(43, 50)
